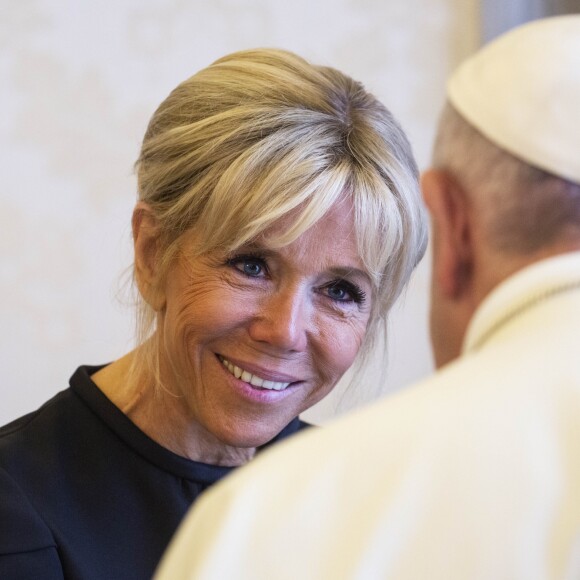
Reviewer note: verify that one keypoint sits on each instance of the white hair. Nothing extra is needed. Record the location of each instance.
(522, 208)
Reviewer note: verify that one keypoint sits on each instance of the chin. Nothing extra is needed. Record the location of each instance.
(247, 436)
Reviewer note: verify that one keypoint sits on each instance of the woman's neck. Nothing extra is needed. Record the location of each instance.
(162, 416)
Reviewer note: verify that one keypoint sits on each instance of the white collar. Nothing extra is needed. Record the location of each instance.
(521, 291)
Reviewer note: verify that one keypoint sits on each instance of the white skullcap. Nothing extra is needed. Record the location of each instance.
(522, 91)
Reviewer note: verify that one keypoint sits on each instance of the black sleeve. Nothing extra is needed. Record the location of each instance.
(27, 549)
(31, 565)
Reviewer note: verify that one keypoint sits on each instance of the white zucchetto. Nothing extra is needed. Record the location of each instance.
(522, 91)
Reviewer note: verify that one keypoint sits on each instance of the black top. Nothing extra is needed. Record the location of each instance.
(85, 494)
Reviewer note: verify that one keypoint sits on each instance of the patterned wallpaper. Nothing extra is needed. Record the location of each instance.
(79, 81)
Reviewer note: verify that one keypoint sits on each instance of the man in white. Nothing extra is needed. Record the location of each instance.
(474, 473)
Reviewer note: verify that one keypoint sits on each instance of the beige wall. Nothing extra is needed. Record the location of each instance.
(78, 83)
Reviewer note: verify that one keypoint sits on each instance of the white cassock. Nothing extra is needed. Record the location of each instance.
(471, 474)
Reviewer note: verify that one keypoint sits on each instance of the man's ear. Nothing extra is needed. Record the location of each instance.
(146, 242)
(452, 233)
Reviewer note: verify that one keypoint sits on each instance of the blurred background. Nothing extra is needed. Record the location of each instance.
(78, 83)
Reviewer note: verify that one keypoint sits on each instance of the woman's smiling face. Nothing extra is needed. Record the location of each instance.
(250, 340)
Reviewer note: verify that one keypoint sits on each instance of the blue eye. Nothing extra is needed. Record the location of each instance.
(343, 291)
(251, 266)
(337, 293)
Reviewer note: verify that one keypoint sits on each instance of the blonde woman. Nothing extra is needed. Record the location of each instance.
(278, 219)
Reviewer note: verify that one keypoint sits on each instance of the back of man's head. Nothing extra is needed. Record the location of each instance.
(505, 190)
(523, 208)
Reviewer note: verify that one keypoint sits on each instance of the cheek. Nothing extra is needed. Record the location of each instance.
(337, 350)
(341, 344)
(208, 303)
(203, 318)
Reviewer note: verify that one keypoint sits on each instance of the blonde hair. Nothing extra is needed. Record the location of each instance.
(522, 208)
(262, 132)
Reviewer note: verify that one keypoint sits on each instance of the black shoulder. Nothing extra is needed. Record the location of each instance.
(54, 405)
(16, 425)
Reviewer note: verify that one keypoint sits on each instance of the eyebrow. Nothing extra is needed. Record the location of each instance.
(345, 272)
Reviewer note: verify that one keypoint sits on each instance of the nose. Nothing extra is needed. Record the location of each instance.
(282, 320)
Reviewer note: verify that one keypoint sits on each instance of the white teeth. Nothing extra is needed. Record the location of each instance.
(256, 381)
(253, 380)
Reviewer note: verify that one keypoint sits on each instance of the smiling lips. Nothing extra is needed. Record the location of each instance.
(251, 379)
